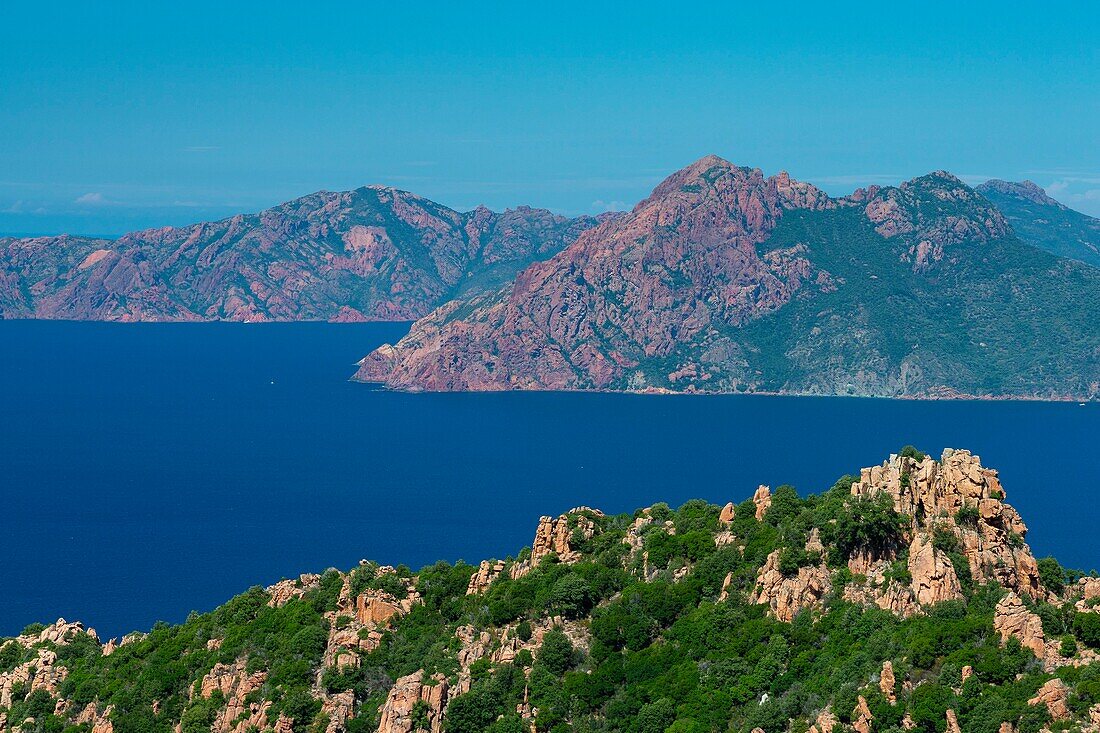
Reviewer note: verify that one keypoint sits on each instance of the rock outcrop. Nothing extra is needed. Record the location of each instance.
(285, 590)
(1055, 696)
(1013, 619)
(397, 714)
(486, 573)
(786, 596)
(236, 685)
(762, 498)
(886, 681)
(959, 496)
(98, 721)
(556, 535)
(862, 717)
(553, 536)
(825, 722)
(934, 578)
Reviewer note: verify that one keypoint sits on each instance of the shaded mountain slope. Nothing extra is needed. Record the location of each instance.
(1040, 220)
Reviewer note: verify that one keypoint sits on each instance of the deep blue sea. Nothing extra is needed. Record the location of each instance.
(148, 470)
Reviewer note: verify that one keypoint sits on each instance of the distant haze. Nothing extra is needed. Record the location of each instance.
(129, 116)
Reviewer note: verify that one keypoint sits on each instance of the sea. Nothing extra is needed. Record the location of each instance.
(148, 470)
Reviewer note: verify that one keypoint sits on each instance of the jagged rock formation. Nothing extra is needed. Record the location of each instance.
(554, 536)
(934, 578)
(955, 498)
(486, 573)
(825, 723)
(957, 495)
(862, 718)
(725, 280)
(237, 686)
(762, 499)
(98, 721)
(786, 596)
(285, 590)
(1014, 620)
(397, 713)
(886, 681)
(375, 253)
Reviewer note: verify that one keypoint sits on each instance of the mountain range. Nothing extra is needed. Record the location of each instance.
(904, 598)
(726, 281)
(374, 253)
(723, 280)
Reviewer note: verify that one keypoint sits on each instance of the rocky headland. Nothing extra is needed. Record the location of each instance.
(903, 598)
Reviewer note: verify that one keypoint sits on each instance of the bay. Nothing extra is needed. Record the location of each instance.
(150, 469)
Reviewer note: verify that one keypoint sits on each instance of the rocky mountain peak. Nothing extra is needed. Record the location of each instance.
(934, 212)
(715, 181)
(1026, 190)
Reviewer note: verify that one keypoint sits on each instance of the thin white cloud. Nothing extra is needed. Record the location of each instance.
(856, 179)
(91, 199)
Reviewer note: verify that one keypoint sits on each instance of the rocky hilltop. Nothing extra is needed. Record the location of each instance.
(903, 598)
(374, 253)
(725, 280)
(1040, 220)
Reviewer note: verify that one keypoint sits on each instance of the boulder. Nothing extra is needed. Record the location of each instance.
(1012, 619)
(1055, 696)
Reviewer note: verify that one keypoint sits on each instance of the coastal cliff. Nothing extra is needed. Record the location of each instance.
(905, 597)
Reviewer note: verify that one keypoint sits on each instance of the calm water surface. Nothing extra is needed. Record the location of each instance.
(147, 470)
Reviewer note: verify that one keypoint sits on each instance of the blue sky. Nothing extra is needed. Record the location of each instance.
(135, 115)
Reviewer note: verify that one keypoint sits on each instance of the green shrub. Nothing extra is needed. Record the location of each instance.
(911, 452)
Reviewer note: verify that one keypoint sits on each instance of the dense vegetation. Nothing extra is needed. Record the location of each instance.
(660, 652)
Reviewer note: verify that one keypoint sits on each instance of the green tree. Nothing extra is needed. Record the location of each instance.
(571, 596)
(1052, 575)
(556, 654)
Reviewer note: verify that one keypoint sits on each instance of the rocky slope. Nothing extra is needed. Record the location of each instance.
(724, 280)
(374, 253)
(903, 598)
(1040, 220)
